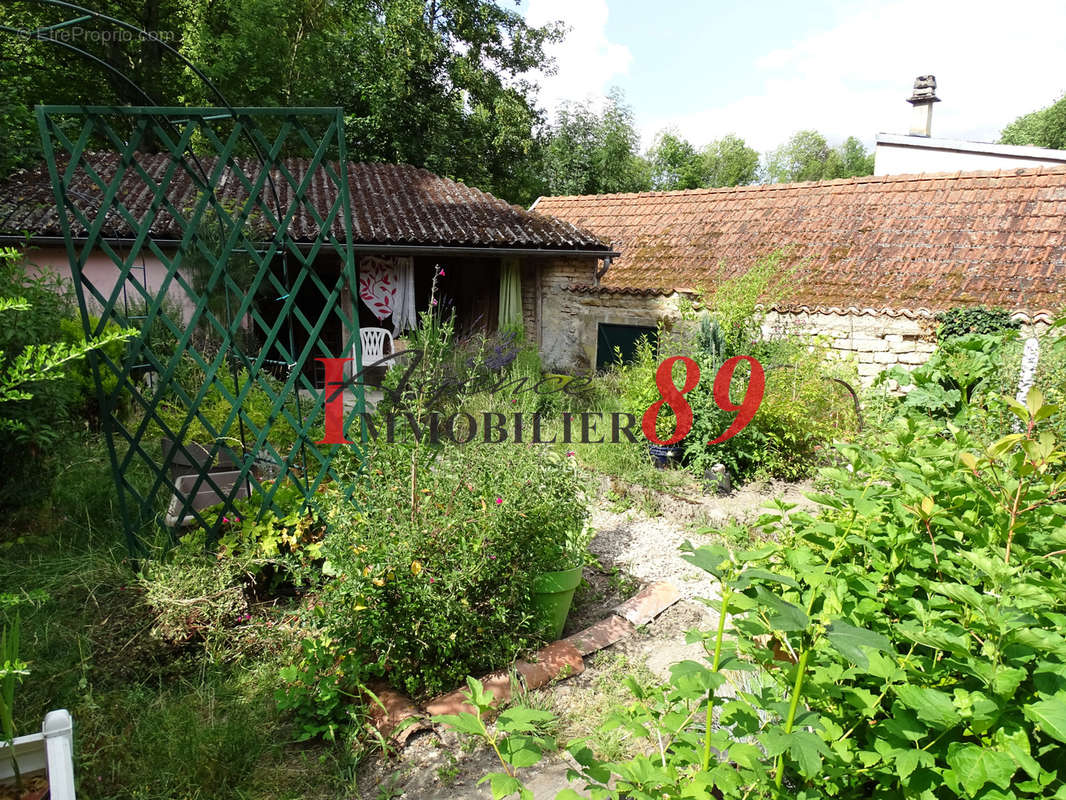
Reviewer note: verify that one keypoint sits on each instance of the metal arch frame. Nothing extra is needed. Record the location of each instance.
(237, 236)
(263, 252)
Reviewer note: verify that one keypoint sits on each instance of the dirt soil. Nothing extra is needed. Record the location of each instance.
(638, 533)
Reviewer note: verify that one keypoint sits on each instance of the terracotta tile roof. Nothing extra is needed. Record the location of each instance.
(896, 242)
(391, 204)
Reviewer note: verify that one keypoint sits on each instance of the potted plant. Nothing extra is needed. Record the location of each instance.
(560, 549)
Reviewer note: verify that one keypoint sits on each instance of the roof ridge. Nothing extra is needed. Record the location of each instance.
(909, 177)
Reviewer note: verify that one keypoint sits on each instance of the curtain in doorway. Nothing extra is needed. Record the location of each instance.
(510, 294)
(403, 308)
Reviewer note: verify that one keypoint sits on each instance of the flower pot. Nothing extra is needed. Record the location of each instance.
(49, 753)
(553, 592)
(664, 455)
(195, 457)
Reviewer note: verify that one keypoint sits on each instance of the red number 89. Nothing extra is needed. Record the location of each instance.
(674, 398)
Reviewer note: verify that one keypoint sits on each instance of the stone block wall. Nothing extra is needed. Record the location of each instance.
(568, 330)
(875, 340)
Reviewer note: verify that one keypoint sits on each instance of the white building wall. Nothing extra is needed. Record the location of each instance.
(911, 155)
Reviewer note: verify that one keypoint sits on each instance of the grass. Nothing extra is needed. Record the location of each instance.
(583, 711)
(154, 719)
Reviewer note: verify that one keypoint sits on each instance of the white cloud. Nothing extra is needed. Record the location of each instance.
(587, 61)
(993, 62)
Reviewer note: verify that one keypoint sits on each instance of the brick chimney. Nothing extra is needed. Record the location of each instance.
(923, 98)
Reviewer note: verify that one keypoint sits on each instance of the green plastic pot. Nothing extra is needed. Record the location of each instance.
(553, 592)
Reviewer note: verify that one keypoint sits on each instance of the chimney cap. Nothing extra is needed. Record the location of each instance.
(924, 90)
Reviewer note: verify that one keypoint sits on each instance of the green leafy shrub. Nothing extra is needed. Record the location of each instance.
(79, 376)
(431, 575)
(216, 408)
(946, 383)
(943, 674)
(323, 688)
(974, 319)
(906, 642)
(38, 404)
(805, 406)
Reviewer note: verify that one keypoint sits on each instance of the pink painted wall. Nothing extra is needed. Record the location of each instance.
(103, 274)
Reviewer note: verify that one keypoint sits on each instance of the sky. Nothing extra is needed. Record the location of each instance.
(764, 70)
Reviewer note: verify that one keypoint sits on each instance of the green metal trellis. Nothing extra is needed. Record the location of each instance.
(279, 307)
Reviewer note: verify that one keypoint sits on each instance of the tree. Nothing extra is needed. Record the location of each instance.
(801, 158)
(848, 161)
(1043, 128)
(440, 84)
(808, 157)
(33, 72)
(586, 152)
(729, 162)
(675, 164)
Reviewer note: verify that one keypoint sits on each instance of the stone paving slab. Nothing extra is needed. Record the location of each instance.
(648, 603)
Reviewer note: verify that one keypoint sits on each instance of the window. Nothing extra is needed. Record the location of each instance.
(623, 337)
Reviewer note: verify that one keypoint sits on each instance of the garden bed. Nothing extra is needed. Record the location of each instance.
(633, 548)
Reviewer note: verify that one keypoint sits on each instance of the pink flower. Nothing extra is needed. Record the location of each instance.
(492, 558)
(570, 454)
(499, 500)
(432, 580)
(434, 301)
(441, 273)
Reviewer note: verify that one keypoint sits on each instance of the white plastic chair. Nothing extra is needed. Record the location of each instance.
(372, 344)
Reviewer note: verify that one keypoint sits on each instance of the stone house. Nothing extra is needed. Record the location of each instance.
(876, 258)
(401, 215)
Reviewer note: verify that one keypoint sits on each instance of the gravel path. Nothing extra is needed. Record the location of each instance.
(648, 547)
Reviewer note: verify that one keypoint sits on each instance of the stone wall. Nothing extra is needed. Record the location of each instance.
(874, 340)
(569, 321)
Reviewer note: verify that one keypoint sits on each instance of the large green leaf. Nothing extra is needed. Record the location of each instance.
(960, 592)
(932, 706)
(523, 719)
(690, 675)
(975, 766)
(938, 640)
(464, 723)
(1042, 640)
(710, 558)
(849, 641)
(783, 616)
(520, 750)
(1050, 715)
(504, 786)
(749, 576)
(807, 750)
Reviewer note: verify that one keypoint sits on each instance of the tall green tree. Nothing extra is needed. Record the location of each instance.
(729, 162)
(594, 152)
(441, 84)
(1043, 128)
(675, 163)
(849, 160)
(33, 72)
(807, 156)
